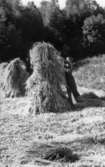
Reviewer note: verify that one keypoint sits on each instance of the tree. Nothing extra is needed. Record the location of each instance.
(20, 26)
(68, 32)
(7, 29)
(94, 33)
(30, 23)
(78, 7)
(47, 9)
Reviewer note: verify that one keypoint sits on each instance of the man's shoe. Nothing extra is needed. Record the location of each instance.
(79, 99)
(73, 107)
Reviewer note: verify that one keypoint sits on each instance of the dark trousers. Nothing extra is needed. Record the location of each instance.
(71, 87)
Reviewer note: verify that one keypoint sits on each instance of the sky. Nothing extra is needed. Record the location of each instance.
(62, 2)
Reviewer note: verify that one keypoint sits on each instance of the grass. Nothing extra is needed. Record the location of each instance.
(26, 137)
(24, 140)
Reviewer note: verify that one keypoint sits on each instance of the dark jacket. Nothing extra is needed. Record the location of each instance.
(67, 66)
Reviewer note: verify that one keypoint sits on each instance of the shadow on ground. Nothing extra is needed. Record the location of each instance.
(89, 100)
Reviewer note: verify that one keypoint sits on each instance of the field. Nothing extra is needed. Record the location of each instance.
(25, 138)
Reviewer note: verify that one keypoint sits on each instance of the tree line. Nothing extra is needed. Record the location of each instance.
(78, 30)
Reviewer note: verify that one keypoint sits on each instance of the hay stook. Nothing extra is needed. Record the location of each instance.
(13, 78)
(45, 82)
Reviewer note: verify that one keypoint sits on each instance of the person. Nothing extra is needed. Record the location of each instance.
(70, 81)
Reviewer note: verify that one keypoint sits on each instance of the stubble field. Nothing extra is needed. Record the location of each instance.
(25, 138)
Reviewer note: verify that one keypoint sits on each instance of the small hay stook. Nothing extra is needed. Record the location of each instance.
(62, 154)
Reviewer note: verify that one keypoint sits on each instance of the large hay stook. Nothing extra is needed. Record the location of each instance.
(45, 82)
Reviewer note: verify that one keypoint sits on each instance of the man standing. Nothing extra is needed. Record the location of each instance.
(71, 85)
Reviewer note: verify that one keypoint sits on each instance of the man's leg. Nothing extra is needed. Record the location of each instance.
(74, 88)
(70, 96)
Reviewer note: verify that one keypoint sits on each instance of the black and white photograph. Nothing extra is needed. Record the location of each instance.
(52, 83)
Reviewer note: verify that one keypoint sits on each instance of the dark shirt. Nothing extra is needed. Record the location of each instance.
(67, 66)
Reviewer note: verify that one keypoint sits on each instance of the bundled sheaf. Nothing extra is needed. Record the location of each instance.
(45, 82)
(13, 76)
(62, 154)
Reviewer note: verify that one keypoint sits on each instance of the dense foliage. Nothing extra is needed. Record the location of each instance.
(94, 33)
(80, 27)
(75, 27)
(19, 27)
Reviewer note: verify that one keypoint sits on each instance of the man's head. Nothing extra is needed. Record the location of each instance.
(68, 59)
(68, 64)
